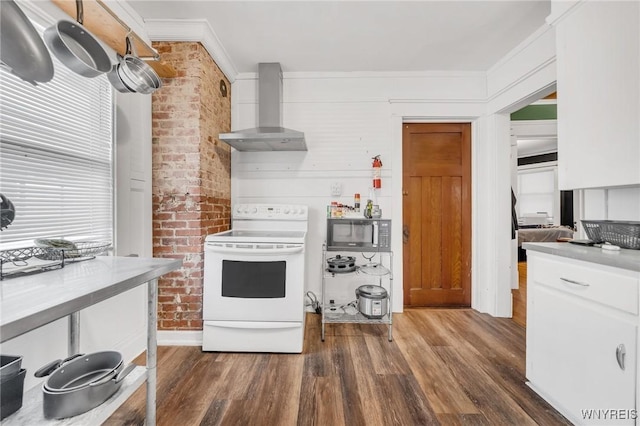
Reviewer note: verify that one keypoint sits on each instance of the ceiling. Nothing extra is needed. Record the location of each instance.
(366, 36)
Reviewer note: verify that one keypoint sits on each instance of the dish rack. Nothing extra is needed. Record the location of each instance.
(29, 260)
(622, 234)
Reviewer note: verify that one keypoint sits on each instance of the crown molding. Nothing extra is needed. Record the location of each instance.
(197, 30)
(130, 17)
(562, 9)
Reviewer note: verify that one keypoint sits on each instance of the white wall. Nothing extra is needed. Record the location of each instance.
(118, 323)
(607, 204)
(524, 75)
(347, 119)
(623, 203)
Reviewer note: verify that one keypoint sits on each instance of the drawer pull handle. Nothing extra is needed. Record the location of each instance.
(620, 354)
(567, 280)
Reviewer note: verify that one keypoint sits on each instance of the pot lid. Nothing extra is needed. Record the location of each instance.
(376, 269)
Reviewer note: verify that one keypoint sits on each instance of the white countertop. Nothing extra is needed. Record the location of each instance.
(31, 301)
(624, 258)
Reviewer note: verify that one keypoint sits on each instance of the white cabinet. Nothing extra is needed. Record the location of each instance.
(582, 326)
(598, 82)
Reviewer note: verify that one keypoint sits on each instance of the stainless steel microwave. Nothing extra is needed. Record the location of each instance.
(349, 234)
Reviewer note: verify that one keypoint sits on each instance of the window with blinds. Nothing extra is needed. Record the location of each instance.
(56, 157)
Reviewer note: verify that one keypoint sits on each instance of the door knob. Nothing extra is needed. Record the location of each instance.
(405, 234)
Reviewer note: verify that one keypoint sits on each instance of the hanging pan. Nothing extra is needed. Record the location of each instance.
(21, 49)
(76, 47)
(132, 74)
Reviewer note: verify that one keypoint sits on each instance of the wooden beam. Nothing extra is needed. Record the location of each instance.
(103, 25)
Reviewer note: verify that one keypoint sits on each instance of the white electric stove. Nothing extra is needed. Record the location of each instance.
(253, 296)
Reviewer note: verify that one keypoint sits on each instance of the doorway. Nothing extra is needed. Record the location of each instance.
(436, 164)
(544, 212)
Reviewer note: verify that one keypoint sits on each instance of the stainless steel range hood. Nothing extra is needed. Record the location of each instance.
(269, 135)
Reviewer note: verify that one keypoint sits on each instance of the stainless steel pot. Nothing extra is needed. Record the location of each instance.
(22, 51)
(116, 81)
(76, 47)
(10, 365)
(81, 370)
(372, 301)
(59, 405)
(132, 74)
(7, 212)
(81, 382)
(340, 264)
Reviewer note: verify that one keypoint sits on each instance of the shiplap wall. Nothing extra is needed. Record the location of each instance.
(347, 119)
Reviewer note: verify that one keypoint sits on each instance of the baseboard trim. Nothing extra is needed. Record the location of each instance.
(179, 338)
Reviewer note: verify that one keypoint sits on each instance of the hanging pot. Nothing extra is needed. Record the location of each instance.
(7, 212)
(22, 51)
(132, 74)
(76, 47)
(116, 81)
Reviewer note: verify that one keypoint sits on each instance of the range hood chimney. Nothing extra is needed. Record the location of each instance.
(269, 135)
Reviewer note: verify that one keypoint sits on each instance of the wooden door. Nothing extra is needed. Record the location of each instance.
(436, 161)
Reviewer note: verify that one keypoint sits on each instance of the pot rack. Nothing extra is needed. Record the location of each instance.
(109, 28)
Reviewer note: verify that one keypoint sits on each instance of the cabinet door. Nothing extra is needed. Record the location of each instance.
(573, 359)
(599, 95)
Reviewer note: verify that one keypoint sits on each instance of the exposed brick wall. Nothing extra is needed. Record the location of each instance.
(191, 176)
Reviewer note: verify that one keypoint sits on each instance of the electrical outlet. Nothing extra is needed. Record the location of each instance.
(336, 189)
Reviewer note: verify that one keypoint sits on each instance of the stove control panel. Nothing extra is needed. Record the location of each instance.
(270, 211)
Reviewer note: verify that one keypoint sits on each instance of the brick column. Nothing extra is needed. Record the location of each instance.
(191, 176)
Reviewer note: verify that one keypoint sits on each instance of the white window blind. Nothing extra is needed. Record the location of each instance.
(56, 157)
(538, 193)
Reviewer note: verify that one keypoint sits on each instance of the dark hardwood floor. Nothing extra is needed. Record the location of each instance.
(445, 366)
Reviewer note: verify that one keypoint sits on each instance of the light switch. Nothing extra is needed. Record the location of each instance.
(336, 189)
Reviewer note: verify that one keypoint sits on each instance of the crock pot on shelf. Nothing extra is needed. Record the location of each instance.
(372, 301)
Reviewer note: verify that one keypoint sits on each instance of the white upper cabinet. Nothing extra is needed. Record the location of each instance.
(598, 57)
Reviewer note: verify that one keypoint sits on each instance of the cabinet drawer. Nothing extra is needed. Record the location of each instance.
(613, 287)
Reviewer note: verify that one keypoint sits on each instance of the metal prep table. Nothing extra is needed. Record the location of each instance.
(32, 301)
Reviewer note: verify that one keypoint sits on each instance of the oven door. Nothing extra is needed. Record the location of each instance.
(253, 282)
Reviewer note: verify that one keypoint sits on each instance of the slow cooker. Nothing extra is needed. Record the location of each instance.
(372, 301)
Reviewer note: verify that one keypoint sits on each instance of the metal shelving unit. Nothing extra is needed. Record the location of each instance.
(333, 314)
